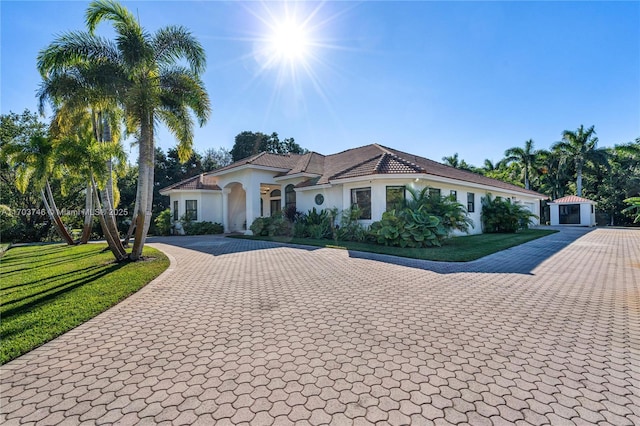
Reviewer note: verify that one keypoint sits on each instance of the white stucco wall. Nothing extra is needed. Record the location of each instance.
(242, 189)
(587, 214)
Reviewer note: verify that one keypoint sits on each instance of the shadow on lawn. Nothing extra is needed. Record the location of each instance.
(14, 307)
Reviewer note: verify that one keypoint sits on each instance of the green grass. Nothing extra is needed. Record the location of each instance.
(458, 249)
(46, 290)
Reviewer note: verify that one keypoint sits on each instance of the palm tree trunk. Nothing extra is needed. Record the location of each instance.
(145, 186)
(579, 179)
(88, 215)
(113, 241)
(56, 216)
(58, 225)
(132, 226)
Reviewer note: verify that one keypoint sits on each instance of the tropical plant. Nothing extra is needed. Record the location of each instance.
(408, 228)
(452, 214)
(34, 161)
(350, 228)
(141, 73)
(633, 208)
(526, 157)
(502, 216)
(580, 147)
(164, 222)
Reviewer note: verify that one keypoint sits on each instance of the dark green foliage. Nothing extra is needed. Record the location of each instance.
(350, 229)
(202, 228)
(501, 216)
(274, 226)
(163, 222)
(251, 143)
(315, 224)
(409, 228)
(634, 208)
(292, 214)
(452, 214)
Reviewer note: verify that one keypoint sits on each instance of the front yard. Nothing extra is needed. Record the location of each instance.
(458, 249)
(46, 290)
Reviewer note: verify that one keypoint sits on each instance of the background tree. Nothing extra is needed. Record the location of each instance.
(580, 147)
(526, 157)
(19, 128)
(215, 158)
(251, 143)
(143, 74)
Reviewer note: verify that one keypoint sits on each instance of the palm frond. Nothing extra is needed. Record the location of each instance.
(173, 43)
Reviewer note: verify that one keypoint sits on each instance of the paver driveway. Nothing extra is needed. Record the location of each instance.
(239, 331)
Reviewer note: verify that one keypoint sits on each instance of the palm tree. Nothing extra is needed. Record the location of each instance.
(141, 73)
(580, 147)
(526, 157)
(33, 160)
(81, 116)
(89, 160)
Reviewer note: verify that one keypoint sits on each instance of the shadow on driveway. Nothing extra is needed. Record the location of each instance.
(522, 259)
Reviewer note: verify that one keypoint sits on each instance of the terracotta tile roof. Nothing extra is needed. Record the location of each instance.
(194, 182)
(266, 159)
(572, 199)
(366, 160)
(311, 162)
(431, 167)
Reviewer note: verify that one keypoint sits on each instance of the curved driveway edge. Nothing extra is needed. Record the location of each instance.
(247, 332)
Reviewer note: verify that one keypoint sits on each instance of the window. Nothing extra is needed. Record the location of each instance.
(453, 194)
(471, 202)
(289, 197)
(191, 210)
(434, 192)
(361, 198)
(396, 196)
(569, 214)
(275, 205)
(175, 211)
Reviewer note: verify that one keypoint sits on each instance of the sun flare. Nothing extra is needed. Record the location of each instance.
(289, 41)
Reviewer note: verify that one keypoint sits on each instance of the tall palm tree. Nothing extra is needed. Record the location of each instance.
(526, 157)
(141, 73)
(82, 114)
(581, 146)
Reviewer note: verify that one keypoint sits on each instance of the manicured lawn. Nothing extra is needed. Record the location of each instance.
(46, 290)
(459, 249)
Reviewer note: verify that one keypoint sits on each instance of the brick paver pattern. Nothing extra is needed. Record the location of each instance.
(247, 332)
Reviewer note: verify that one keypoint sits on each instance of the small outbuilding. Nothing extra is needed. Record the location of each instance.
(573, 210)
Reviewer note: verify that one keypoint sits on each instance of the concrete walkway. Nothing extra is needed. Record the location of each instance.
(245, 332)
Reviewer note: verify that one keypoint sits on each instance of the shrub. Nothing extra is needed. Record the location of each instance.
(503, 216)
(315, 224)
(452, 214)
(274, 226)
(163, 222)
(350, 228)
(202, 228)
(408, 228)
(292, 214)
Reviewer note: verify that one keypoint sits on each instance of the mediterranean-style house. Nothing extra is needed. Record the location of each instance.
(373, 177)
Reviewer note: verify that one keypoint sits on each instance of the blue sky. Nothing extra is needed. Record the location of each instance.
(430, 78)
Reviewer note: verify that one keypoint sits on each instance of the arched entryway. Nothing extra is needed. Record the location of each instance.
(234, 207)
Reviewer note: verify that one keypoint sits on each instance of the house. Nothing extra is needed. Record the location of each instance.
(372, 177)
(572, 210)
